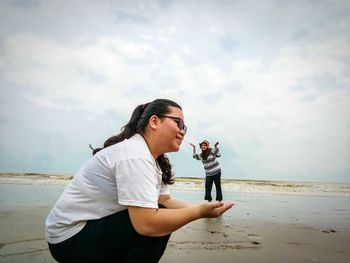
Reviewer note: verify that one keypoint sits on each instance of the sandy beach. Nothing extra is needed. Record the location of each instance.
(287, 226)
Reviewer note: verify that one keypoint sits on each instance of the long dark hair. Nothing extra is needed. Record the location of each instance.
(138, 123)
(205, 153)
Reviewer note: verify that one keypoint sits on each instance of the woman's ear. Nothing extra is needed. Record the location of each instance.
(154, 122)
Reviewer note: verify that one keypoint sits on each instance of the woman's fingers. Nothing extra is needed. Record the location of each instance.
(214, 209)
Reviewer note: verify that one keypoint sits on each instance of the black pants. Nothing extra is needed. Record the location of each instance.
(110, 239)
(209, 184)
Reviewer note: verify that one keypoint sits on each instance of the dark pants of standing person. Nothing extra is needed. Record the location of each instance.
(209, 184)
(110, 239)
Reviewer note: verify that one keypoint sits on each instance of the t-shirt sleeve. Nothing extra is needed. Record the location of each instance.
(164, 190)
(137, 183)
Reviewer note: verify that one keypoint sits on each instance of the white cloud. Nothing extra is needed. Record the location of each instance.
(89, 74)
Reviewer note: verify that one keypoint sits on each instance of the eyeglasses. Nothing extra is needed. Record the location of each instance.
(179, 121)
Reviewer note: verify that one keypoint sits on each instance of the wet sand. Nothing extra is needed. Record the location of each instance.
(228, 240)
(238, 236)
(207, 240)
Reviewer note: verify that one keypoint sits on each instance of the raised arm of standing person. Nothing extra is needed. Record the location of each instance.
(195, 156)
(194, 148)
(216, 150)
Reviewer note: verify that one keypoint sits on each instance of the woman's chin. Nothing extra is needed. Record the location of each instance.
(176, 147)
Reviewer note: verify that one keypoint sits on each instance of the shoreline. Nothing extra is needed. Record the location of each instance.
(183, 179)
(228, 185)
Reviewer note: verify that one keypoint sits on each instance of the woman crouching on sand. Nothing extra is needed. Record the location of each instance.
(118, 207)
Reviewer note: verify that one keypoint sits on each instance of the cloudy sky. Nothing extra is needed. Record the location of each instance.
(269, 80)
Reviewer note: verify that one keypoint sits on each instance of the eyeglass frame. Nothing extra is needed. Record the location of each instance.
(180, 123)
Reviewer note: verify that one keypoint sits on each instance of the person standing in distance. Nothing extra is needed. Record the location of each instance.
(212, 168)
(118, 207)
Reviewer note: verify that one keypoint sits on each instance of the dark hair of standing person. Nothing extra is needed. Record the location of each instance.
(138, 123)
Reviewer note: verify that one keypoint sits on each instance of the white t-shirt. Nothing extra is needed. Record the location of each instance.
(124, 174)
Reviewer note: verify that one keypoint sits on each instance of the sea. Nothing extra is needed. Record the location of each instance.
(330, 211)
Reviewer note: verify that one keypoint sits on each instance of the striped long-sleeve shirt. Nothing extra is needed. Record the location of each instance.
(211, 164)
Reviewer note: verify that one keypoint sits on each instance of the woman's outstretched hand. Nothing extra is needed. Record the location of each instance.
(192, 145)
(214, 209)
(216, 144)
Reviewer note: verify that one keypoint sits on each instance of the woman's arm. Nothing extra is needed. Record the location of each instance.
(195, 156)
(160, 222)
(194, 148)
(216, 150)
(171, 203)
(216, 145)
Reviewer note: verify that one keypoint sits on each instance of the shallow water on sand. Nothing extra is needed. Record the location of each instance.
(298, 209)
